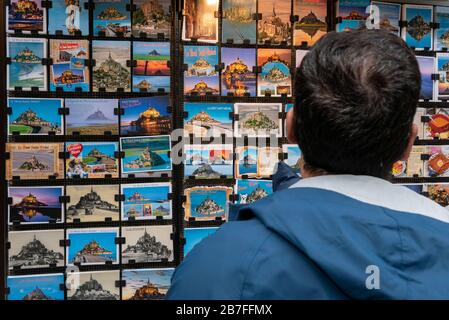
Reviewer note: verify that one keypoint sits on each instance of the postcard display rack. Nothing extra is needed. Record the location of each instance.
(98, 204)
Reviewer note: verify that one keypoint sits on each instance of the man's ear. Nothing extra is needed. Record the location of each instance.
(411, 140)
(290, 124)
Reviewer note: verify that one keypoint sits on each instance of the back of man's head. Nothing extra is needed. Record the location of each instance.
(356, 96)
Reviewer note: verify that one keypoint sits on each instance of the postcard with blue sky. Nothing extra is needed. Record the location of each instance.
(442, 33)
(426, 67)
(251, 190)
(293, 156)
(418, 33)
(209, 161)
(208, 119)
(112, 18)
(200, 75)
(194, 236)
(389, 16)
(36, 287)
(69, 17)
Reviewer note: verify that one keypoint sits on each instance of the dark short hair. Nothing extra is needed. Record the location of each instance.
(356, 94)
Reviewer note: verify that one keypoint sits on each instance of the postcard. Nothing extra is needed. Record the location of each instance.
(208, 119)
(441, 35)
(34, 160)
(206, 203)
(258, 119)
(238, 23)
(238, 77)
(26, 69)
(389, 16)
(426, 67)
(152, 61)
(26, 16)
(91, 159)
(200, 76)
(193, 236)
(147, 115)
(91, 116)
(147, 244)
(423, 131)
(438, 163)
(292, 157)
(299, 55)
(443, 73)
(200, 20)
(418, 33)
(35, 205)
(111, 18)
(413, 167)
(146, 284)
(69, 70)
(35, 116)
(93, 285)
(110, 71)
(209, 161)
(353, 14)
(145, 201)
(256, 162)
(250, 190)
(151, 17)
(91, 203)
(438, 123)
(274, 27)
(145, 154)
(69, 17)
(275, 77)
(288, 106)
(36, 287)
(35, 249)
(311, 24)
(438, 192)
(92, 246)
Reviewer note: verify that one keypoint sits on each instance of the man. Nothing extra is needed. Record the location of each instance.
(343, 231)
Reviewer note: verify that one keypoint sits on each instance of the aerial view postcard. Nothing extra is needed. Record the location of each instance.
(292, 157)
(34, 160)
(146, 284)
(35, 205)
(200, 75)
(274, 27)
(93, 285)
(26, 69)
(91, 116)
(91, 159)
(208, 119)
(145, 154)
(312, 23)
(146, 115)
(238, 77)
(111, 18)
(250, 190)
(418, 33)
(200, 20)
(442, 65)
(26, 16)
(35, 249)
(92, 246)
(152, 62)
(110, 71)
(238, 23)
(389, 16)
(151, 17)
(208, 161)
(68, 17)
(193, 236)
(275, 77)
(147, 244)
(146, 201)
(258, 119)
(353, 14)
(35, 116)
(441, 35)
(206, 203)
(69, 70)
(426, 67)
(36, 287)
(90, 203)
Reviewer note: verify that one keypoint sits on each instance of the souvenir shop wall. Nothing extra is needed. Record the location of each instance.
(100, 95)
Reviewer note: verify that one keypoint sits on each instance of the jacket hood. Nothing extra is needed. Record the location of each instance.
(350, 226)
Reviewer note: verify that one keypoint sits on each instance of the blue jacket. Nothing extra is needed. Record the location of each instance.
(326, 237)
